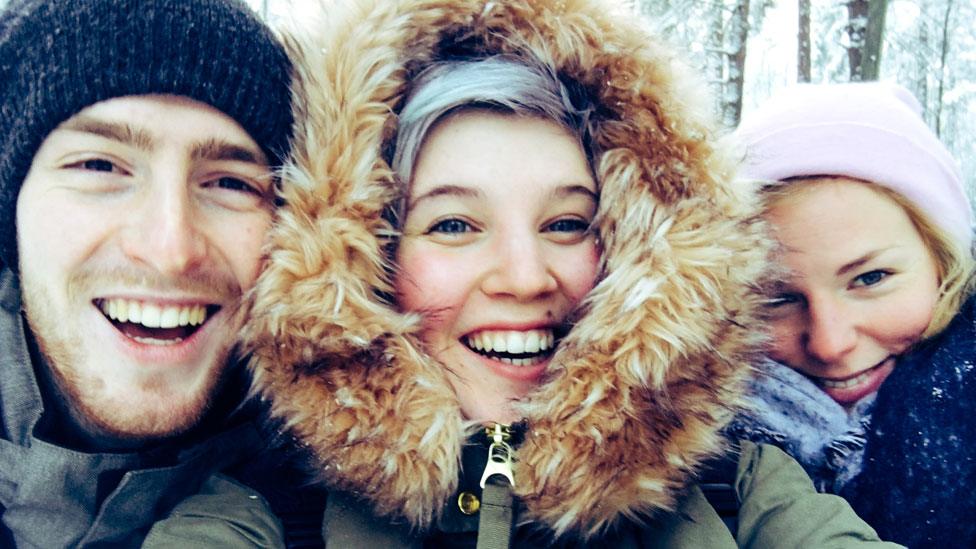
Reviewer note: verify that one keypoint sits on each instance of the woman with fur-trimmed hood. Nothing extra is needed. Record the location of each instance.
(507, 297)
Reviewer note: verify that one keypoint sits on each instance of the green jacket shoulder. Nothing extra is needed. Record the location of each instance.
(779, 508)
(224, 513)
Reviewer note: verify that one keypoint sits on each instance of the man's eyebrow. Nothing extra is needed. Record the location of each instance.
(114, 131)
(217, 149)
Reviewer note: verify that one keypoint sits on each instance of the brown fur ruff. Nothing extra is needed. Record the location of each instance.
(641, 386)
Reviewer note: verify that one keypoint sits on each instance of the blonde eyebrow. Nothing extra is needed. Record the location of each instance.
(467, 192)
(564, 191)
(114, 131)
(859, 262)
(445, 190)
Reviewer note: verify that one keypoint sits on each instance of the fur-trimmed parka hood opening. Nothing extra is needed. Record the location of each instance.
(639, 389)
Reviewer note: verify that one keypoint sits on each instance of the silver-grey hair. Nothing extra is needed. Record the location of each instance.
(506, 84)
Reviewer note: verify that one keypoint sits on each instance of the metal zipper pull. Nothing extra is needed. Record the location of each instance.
(501, 456)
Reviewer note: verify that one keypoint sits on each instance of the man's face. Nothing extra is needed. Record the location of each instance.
(139, 227)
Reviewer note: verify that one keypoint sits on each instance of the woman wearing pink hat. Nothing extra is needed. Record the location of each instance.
(871, 383)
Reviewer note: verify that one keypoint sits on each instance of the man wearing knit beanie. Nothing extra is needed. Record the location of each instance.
(136, 144)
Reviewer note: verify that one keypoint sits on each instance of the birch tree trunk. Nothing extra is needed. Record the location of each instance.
(803, 42)
(716, 56)
(942, 67)
(738, 38)
(865, 28)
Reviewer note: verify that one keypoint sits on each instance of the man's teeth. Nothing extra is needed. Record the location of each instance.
(512, 342)
(154, 316)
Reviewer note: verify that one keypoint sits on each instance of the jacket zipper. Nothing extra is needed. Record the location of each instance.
(501, 455)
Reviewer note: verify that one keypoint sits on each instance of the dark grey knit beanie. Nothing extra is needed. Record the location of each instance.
(57, 57)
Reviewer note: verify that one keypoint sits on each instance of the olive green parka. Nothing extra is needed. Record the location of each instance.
(638, 391)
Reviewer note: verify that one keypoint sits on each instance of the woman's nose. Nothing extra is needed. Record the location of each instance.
(519, 268)
(832, 331)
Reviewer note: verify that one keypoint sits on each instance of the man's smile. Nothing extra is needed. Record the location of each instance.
(155, 323)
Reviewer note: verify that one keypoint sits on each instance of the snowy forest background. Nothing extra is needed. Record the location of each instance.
(747, 49)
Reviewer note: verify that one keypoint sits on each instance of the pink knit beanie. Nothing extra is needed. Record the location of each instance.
(871, 131)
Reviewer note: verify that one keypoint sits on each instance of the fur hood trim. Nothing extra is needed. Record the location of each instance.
(639, 389)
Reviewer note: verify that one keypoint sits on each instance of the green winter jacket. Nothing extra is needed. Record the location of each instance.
(224, 513)
(639, 389)
(779, 509)
(53, 496)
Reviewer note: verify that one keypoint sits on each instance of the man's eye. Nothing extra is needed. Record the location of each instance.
(871, 278)
(568, 226)
(97, 165)
(234, 184)
(450, 226)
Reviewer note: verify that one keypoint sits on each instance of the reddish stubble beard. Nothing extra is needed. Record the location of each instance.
(154, 411)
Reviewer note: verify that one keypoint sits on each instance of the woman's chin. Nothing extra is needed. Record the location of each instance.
(489, 415)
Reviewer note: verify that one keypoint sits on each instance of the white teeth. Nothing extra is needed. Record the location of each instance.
(159, 342)
(169, 318)
(499, 341)
(487, 343)
(521, 361)
(515, 343)
(152, 315)
(512, 342)
(135, 312)
(854, 381)
(532, 340)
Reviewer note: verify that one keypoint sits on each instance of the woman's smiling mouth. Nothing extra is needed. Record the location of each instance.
(850, 390)
(518, 348)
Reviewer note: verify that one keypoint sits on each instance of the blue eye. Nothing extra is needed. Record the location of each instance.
(568, 226)
(871, 278)
(450, 226)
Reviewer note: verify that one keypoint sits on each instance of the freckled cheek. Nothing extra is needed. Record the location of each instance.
(904, 323)
(432, 283)
(243, 249)
(784, 344)
(60, 238)
(579, 270)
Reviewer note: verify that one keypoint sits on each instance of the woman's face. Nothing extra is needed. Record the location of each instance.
(860, 289)
(496, 251)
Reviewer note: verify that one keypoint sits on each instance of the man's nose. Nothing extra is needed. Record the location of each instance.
(163, 230)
